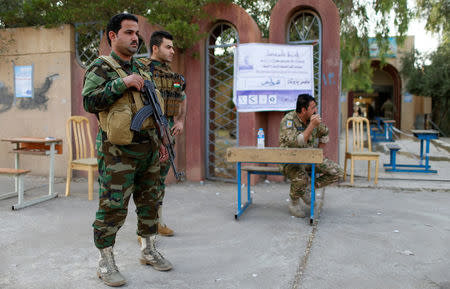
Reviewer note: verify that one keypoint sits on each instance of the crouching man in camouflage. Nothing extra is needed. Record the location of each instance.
(303, 128)
(128, 162)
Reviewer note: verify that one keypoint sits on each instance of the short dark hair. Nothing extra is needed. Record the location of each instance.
(115, 23)
(303, 101)
(157, 38)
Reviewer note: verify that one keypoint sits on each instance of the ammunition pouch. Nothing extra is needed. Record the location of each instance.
(171, 86)
(116, 120)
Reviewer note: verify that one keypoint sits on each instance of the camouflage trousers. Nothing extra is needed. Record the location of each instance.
(124, 171)
(329, 171)
(165, 167)
(164, 170)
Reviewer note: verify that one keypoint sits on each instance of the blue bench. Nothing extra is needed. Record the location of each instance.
(393, 166)
(393, 149)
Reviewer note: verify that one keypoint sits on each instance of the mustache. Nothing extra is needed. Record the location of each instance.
(134, 42)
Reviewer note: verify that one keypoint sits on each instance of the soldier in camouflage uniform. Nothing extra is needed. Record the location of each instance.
(171, 85)
(303, 128)
(124, 170)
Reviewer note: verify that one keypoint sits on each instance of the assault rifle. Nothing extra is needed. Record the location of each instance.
(153, 108)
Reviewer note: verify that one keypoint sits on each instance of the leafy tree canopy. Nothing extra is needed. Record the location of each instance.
(436, 13)
(175, 15)
(359, 19)
(429, 75)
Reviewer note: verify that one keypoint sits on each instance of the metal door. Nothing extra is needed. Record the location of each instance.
(222, 119)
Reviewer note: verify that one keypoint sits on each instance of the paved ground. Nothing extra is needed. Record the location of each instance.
(392, 235)
(381, 239)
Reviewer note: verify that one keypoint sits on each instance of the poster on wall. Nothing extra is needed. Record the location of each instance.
(374, 50)
(23, 81)
(269, 77)
(407, 97)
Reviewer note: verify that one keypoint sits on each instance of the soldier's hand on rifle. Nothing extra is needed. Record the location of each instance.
(163, 154)
(177, 127)
(134, 80)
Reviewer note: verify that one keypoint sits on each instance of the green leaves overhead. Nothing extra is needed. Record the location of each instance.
(359, 19)
(429, 75)
(436, 13)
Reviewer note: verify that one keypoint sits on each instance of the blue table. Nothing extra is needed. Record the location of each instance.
(384, 130)
(272, 155)
(424, 162)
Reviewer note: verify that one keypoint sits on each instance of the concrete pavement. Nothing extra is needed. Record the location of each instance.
(365, 238)
(391, 235)
(381, 238)
(49, 245)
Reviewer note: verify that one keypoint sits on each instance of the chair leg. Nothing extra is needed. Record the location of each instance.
(351, 170)
(345, 168)
(368, 170)
(376, 171)
(91, 184)
(68, 180)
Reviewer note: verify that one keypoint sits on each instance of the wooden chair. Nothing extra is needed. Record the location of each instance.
(81, 151)
(358, 150)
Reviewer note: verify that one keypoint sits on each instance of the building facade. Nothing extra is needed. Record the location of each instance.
(212, 122)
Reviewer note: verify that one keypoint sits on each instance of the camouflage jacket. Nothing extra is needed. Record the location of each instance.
(165, 66)
(103, 86)
(291, 127)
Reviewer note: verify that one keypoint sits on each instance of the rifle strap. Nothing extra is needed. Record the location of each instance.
(134, 96)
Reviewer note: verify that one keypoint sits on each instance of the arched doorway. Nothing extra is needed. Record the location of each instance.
(222, 121)
(387, 85)
(305, 28)
(393, 73)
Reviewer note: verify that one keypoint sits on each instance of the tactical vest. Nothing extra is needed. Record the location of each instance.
(170, 84)
(116, 120)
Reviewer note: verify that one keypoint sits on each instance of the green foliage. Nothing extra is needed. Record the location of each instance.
(260, 11)
(436, 13)
(174, 15)
(358, 20)
(429, 75)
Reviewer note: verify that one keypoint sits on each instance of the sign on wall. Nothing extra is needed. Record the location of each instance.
(374, 50)
(407, 97)
(270, 76)
(23, 81)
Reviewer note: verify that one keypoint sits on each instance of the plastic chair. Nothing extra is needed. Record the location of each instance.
(359, 151)
(81, 151)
